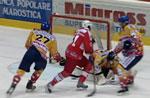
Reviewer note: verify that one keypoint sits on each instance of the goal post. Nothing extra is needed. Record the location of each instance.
(64, 24)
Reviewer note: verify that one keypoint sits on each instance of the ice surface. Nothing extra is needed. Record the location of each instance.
(12, 49)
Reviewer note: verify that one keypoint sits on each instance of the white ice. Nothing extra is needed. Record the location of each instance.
(12, 50)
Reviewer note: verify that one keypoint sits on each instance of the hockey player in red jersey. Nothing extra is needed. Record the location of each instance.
(81, 44)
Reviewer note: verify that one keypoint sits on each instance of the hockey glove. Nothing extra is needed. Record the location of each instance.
(56, 58)
(62, 61)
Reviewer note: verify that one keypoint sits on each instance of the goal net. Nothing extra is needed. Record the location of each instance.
(68, 24)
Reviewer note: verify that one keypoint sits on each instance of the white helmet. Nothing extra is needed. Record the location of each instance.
(86, 24)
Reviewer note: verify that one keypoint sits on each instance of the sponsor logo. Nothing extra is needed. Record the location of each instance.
(87, 10)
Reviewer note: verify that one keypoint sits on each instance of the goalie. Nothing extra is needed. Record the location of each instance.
(110, 62)
(132, 50)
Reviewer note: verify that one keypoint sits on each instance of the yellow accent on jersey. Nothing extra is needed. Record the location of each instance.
(20, 72)
(114, 65)
(129, 30)
(53, 47)
(123, 70)
(98, 57)
(46, 40)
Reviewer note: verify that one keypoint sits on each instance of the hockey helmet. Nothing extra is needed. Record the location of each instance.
(123, 19)
(111, 55)
(127, 44)
(86, 24)
(45, 26)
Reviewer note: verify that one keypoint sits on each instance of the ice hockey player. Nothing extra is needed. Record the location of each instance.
(110, 67)
(130, 43)
(38, 43)
(101, 62)
(128, 29)
(131, 46)
(81, 44)
(132, 50)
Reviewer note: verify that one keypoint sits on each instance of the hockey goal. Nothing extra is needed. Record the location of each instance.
(68, 24)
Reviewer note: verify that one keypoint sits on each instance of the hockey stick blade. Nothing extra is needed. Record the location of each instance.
(92, 93)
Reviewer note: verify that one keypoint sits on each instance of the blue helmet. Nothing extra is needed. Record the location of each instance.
(45, 26)
(123, 19)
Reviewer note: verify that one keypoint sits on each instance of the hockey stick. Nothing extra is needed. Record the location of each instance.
(99, 43)
(94, 82)
(94, 85)
(77, 76)
(89, 73)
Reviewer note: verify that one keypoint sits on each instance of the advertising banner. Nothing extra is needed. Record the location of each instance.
(26, 10)
(106, 10)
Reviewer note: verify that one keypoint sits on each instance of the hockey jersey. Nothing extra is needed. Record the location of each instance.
(103, 63)
(136, 49)
(43, 40)
(81, 44)
(130, 30)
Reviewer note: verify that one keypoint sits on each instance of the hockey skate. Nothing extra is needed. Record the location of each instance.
(123, 91)
(30, 87)
(81, 86)
(49, 88)
(11, 89)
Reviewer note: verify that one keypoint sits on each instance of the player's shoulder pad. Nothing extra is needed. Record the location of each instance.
(53, 37)
(83, 30)
(50, 36)
(130, 27)
(35, 30)
(127, 27)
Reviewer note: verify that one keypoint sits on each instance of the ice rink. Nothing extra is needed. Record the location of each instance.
(12, 50)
